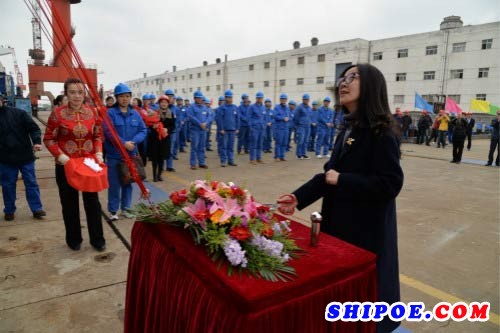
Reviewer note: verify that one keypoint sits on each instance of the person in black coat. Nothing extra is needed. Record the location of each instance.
(159, 148)
(495, 141)
(424, 122)
(360, 182)
(458, 138)
(20, 136)
(471, 122)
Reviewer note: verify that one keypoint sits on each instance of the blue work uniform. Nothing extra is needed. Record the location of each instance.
(228, 120)
(244, 133)
(302, 120)
(325, 116)
(282, 128)
(257, 121)
(130, 127)
(174, 137)
(198, 114)
(268, 134)
(313, 132)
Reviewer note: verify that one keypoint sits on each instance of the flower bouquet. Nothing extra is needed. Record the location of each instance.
(232, 226)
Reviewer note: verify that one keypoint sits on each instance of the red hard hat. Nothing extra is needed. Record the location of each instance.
(163, 98)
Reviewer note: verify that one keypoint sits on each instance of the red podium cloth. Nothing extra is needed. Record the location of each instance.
(173, 286)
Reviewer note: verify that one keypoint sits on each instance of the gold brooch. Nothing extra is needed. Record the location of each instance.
(350, 141)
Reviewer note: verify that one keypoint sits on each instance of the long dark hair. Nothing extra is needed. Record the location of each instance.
(373, 106)
(58, 100)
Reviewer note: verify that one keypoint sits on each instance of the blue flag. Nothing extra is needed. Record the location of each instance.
(422, 103)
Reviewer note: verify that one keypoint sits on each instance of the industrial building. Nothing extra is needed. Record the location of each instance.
(457, 61)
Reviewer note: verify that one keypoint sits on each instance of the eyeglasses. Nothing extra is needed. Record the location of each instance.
(347, 79)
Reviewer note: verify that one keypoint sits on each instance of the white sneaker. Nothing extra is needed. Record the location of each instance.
(127, 214)
(319, 156)
(113, 217)
(327, 156)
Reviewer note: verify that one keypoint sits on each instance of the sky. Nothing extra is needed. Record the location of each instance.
(126, 38)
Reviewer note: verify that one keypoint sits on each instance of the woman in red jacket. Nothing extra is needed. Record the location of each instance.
(74, 131)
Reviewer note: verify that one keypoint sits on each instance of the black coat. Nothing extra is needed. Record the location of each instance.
(459, 129)
(159, 150)
(18, 134)
(470, 126)
(361, 208)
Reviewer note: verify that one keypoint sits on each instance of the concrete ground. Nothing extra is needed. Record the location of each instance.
(448, 219)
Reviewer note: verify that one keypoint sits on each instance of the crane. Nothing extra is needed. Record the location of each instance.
(19, 76)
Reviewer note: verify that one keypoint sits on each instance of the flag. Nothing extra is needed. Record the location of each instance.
(422, 103)
(480, 106)
(494, 109)
(452, 106)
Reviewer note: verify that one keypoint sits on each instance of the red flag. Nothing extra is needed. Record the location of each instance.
(452, 106)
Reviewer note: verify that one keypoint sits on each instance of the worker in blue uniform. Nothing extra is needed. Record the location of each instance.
(181, 142)
(302, 120)
(130, 128)
(268, 134)
(282, 118)
(313, 131)
(187, 104)
(338, 123)
(292, 105)
(257, 122)
(228, 122)
(325, 125)
(199, 117)
(152, 102)
(218, 136)
(244, 134)
(211, 117)
(174, 135)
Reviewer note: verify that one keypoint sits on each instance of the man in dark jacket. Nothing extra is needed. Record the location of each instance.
(424, 122)
(495, 141)
(19, 138)
(458, 137)
(471, 122)
(407, 121)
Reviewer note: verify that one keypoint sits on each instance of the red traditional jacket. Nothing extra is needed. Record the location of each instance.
(73, 133)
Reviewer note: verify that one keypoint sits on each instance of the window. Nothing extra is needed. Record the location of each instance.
(429, 75)
(208, 88)
(175, 92)
(403, 53)
(250, 67)
(190, 76)
(321, 58)
(455, 98)
(218, 87)
(377, 56)
(175, 78)
(283, 63)
(400, 76)
(190, 89)
(458, 47)
(198, 75)
(300, 81)
(218, 72)
(430, 50)
(481, 97)
(399, 99)
(320, 80)
(250, 84)
(231, 86)
(457, 74)
(208, 73)
(198, 88)
(168, 79)
(300, 60)
(183, 78)
(282, 83)
(483, 72)
(183, 90)
(267, 65)
(486, 44)
(266, 83)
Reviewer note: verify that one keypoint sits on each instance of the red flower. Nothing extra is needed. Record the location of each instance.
(178, 198)
(263, 209)
(267, 231)
(240, 233)
(201, 192)
(237, 192)
(214, 184)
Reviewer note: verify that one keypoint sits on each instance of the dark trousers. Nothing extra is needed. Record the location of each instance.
(458, 149)
(434, 135)
(442, 138)
(469, 140)
(494, 145)
(422, 135)
(71, 212)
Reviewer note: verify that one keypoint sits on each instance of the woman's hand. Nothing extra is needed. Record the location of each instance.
(332, 177)
(287, 204)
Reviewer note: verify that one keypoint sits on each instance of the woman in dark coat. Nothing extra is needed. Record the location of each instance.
(361, 180)
(159, 145)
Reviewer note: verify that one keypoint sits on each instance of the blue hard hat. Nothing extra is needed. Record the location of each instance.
(198, 94)
(292, 102)
(152, 96)
(305, 96)
(327, 99)
(259, 94)
(221, 98)
(228, 93)
(178, 98)
(169, 92)
(207, 100)
(283, 96)
(267, 100)
(122, 88)
(244, 96)
(145, 96)
(315, 103)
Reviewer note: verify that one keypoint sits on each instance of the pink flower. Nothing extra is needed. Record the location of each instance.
(198, 212)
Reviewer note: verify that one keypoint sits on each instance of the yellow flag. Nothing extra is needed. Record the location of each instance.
(479, 106)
